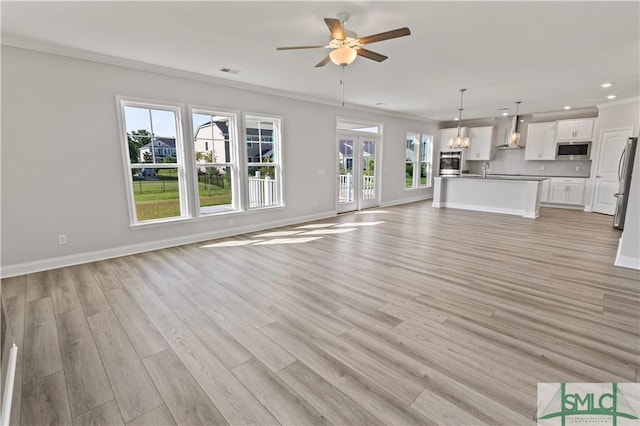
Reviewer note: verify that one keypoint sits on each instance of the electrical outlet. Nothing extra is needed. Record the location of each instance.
(542, 167)
(578, 168)
(62, 239)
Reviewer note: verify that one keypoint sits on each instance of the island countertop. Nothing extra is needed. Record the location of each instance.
(515, 195)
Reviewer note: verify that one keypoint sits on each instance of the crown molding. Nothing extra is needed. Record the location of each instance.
(89, 56)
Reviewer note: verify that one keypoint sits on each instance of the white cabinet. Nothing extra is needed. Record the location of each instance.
(575, 130)
(544, 192)
(480, 139)
(566, 191)
(541, 141)
(446, 134)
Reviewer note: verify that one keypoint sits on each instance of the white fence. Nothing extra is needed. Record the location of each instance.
(345, 190)
(262, 192)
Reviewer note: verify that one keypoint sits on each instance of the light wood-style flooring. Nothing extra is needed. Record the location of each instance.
(402, 315)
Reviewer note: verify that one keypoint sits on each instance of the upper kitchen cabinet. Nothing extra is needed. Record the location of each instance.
(480, 139)
(575, 130)
(446, 134)
(541, 141)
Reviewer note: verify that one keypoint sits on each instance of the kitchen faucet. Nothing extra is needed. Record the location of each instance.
(486, 166)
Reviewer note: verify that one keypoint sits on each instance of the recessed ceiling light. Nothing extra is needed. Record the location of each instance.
(505, 113)
(381, 103)
(567, 107)
(606, 84)
(456, 118)
(611, 97)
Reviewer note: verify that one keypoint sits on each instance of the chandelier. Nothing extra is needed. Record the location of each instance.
(459, 141)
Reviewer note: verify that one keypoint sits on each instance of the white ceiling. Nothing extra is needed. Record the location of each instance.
(545, 54)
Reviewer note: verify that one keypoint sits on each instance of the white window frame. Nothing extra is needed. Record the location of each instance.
(234, 163)
(176, 108)
(276, 163)
(417, 160)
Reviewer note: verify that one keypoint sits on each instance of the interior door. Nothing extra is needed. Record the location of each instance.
(612, 143)
(357, 172)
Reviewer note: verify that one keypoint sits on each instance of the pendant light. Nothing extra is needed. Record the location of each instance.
(514, 138)
(459, 141)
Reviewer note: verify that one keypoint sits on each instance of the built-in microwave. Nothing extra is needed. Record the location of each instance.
(451, 163)
(573, 150)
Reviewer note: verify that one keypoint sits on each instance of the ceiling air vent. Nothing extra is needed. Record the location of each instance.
(229, 70)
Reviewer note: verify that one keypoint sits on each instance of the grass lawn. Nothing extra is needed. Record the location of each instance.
(159, 197)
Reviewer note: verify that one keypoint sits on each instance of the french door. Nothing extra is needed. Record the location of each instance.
(358, 172)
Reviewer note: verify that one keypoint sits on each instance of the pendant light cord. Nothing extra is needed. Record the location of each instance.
(460, 111)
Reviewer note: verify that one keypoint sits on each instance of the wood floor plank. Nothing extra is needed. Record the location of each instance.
(87, 382)
(337, 407)
(185, 399)
(88, 290)
(219, 342)
(14, 286)
(142, 333)
(38, 286)
(104, 415)
(443, 412)
(104, 275)
(284, 403)
(159, 416)
(64, 294)
(402, 386)
(45, 402)
(41, 348)
(356, 386)
(159, 313)
(134, 391)
(261, 347)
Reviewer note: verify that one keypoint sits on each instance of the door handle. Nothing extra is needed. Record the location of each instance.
(617, 194)
(598, 177)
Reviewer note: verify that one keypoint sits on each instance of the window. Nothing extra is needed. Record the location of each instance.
(168, 179)
(215, 150)
(418, 166)
(156, 189)
(410, 161)
(426, 154)
(263, 167)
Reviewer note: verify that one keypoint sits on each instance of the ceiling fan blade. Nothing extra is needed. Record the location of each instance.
(323, 62)
(335, 27)
(400, 32)
(371, 55)
(301, 47)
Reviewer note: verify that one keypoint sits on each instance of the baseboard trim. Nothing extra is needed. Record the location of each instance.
(93, 256)
(406, 200)
(626, 261)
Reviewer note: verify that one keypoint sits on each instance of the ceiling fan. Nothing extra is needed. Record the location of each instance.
(347, 45)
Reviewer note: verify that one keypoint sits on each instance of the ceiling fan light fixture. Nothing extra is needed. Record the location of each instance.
(343, 55)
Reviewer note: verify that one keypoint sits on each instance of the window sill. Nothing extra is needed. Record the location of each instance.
(203, 216)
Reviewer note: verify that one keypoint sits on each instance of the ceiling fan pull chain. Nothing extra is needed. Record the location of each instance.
(342, 82)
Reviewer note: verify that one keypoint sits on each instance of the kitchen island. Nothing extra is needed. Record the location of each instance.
(516, 195)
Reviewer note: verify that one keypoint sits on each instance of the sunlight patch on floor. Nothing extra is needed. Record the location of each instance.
(344, 225)
(286, 241)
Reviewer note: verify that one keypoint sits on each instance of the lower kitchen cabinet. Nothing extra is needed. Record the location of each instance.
(566, 191)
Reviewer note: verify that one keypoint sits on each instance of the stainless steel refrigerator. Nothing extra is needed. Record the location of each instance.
(625, 167)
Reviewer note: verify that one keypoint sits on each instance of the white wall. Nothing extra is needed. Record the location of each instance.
(62, 166)
(613, 116)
